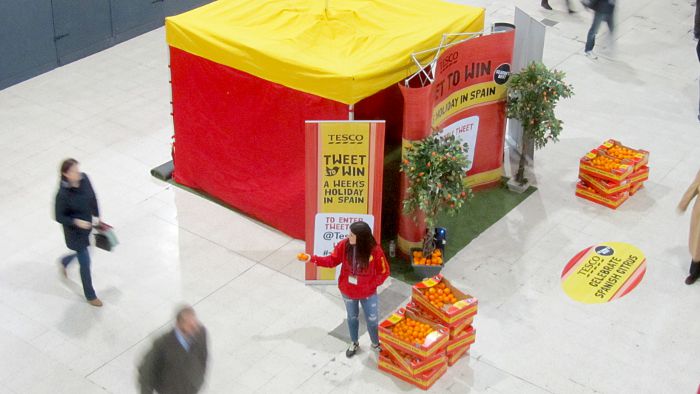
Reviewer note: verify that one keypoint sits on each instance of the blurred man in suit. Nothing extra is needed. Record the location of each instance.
(177, 362)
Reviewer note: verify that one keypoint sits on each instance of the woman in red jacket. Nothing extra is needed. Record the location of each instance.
(363, 269)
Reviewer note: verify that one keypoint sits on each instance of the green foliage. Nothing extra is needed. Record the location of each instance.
(434, 167)
(533, 94)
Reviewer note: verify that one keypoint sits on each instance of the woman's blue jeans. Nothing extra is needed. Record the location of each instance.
(370, 306)
(84, 261)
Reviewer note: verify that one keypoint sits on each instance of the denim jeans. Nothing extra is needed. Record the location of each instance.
(370, 306)
(84, 261)
(598, 18)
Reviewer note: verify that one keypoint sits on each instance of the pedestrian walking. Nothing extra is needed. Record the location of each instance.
(177, 362)
(363, 269)
(604, 11)
(697, 51)
(546, 6)
(694, 238)
(76, 206)
(696, 25)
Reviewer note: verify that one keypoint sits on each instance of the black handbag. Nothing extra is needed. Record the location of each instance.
(105, 238)
(102, 242)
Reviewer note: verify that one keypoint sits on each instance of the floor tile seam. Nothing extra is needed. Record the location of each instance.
(255, 262)
(481, 360)
(159, 328)
(320, 369)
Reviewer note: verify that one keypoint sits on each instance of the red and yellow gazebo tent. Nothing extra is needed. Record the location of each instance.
(247, 74)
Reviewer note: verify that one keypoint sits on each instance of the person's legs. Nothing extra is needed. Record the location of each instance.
(694, 273)
(696, 27)
(568, 5)
(353, 309)
(65, 260)
(371, 308)
(84, 260)
(590, 41)
(611, 22)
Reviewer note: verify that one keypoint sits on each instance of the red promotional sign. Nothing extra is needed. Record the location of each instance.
(344, 164)
(469, 98)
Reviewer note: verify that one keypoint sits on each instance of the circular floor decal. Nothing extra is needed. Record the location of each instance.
(603, 272)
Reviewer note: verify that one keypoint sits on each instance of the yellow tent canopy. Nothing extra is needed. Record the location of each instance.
(346, 52)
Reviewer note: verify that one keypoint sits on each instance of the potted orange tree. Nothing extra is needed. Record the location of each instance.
(435, 168)
(533, 94)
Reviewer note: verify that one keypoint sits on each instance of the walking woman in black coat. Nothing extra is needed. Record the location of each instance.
(76, 205)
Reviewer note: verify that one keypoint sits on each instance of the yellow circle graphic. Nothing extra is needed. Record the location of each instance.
(603, 272)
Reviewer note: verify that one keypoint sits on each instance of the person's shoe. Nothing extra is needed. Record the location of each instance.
(352, 349)
(545, 5)
(698, 117)
(377, 348)
(591, 55)
(690, 279)
(96, 302)
(572, 11)
(62, 269)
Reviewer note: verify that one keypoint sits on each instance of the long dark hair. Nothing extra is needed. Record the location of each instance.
(66, 165)
(364, 244)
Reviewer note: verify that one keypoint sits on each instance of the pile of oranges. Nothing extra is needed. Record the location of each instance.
(434, 259)
(411, 331)
(439, 295)
(621, 152)
(605, 163)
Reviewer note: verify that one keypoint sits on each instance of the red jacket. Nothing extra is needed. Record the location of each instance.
(367, 281)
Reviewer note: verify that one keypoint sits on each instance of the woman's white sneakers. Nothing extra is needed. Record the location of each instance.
(352, 349)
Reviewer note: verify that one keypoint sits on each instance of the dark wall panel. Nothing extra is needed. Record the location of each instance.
(82, 27)
(39, 35)
(133, 17)
(174, 7)
(26, 40)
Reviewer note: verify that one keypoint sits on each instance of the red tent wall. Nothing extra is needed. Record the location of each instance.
(240, 138)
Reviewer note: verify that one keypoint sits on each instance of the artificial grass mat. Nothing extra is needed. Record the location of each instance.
(482, 211)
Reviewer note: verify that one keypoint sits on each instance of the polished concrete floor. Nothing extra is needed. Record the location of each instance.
(269, 332)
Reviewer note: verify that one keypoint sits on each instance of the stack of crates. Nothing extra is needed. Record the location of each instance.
(423, 364)
(611, 173)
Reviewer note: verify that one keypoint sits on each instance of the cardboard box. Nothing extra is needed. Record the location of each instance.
(466, 338)
(465, 306)
(635, 187)
(422, 381)
(639, 159)
(605, 187)
(456, 356)
(454, 329)
(612, 201)
(413, 365)
(434, 343)
(616, 175)
(640, 175)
